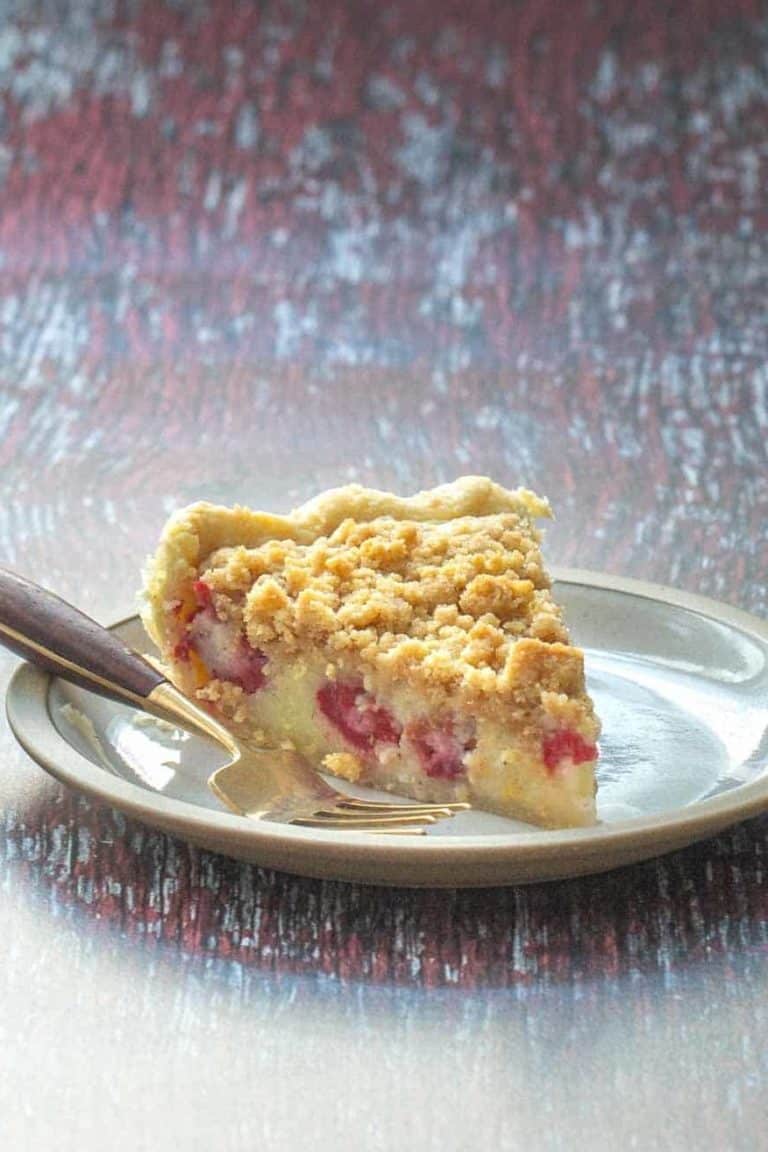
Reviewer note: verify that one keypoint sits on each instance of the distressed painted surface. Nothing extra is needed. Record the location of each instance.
(247, 252)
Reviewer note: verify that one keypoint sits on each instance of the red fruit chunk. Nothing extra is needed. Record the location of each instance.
(247, 669)
(224, 651)
(181, 651)
(202, 594)
(566, 744)
(361, 722)
(440, 750)
(187, 612)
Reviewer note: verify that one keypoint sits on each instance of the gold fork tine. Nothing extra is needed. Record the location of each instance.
(372, 806)
(399, 831)
(371, 823)
(342, 812)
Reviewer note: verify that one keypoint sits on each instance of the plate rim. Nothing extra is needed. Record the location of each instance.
(28, 712)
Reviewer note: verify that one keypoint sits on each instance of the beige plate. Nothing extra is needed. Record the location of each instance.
(680, 682)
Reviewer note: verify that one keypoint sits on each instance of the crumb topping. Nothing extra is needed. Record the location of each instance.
(230, 698)
(193, 534)
(463, 607)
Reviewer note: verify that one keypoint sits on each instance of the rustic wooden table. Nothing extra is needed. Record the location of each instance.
(247, 252)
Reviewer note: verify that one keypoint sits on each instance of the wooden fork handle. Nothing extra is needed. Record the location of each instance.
(49, 632)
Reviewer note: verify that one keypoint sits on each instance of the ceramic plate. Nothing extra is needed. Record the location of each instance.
(681, 685)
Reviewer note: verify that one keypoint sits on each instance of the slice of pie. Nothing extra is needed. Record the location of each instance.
(407, 644)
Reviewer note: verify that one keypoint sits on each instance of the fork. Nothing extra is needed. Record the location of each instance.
(273, 784)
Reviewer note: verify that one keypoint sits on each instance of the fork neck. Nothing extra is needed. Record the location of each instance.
(168, 703)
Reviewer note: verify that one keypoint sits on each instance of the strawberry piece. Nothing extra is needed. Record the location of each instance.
(224, 651)
(203, 594)
(352, 710)
(247, 669)
(440, 750)
(227, 655)
(186, 610)
(182, 649)
(566, 744)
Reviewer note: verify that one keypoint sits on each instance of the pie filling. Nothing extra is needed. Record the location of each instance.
(425, 661)
(373, 738)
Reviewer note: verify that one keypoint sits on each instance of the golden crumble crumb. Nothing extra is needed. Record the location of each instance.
(343, 764)
(267, 597)
(229, 697)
